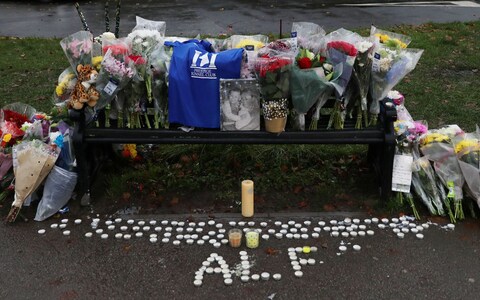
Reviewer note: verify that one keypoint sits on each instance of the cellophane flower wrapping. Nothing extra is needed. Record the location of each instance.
(65, 84)
(78, 48)
(424, 185)
(159, 66)
(252, 44)
(114, 76)
(273, 73)
(360, 80)
(467, 150)
(436, 145)
(393, 39)
(143, 39)
(32, 161)
(309, 35)
(392, 61)
(312, 78)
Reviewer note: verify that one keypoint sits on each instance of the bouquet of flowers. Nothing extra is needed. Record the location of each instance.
(391, 63)
(143, 39)
(423, 180)
(311, 78)
(467, 150)
(32, 161)
(159, 65)
(437, 146)
(339, 48)
(308, 35)
(66, 83)
(273, 73)
(360, 80)
(114, 75)
(78, 48)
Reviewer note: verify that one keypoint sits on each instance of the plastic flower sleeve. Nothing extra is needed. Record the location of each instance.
(467, 150)
(142, 24)
(114, 76)
(241, 41)
(65, 84)
(424, 183)
(391, 38)
(159, 62)
(58, 189)
(78, 48)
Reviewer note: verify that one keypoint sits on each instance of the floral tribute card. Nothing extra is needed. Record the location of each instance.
(239, 104)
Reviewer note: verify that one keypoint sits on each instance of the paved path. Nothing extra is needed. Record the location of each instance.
(189, 18)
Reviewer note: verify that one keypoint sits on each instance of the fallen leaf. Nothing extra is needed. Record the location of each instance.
(271, 251)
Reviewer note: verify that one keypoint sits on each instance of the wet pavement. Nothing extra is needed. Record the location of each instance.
(190, 18)
(445, 264)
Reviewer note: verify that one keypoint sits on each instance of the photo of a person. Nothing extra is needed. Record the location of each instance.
(240, 106)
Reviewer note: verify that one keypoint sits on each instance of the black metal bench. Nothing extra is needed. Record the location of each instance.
(380, 138)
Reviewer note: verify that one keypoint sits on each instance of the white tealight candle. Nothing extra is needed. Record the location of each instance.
(228, 281)
(99, 231)
(88, 234)
(419, 236)
(135, 228)
(321, 223)
(141, 223)
(232, 223)
(271, 231)
(190, 241)
(405, 230)
(400, 235)
(347, 221)
(78, 221)
(326, 228)
(211, 222)
(152, 222)
(62, 226)
(357, 247)
(164, 222)
(374, 220)
(263, 224)
(54, 226)
(265, 236)
(179, 229)
(227, 275)
(66, 232)
(385, 221)
(451, 226)
(303, 262)
(353, 234)
(104, 236)
(179, 237)
(219, 225)
(278, 223)
(297, 236)
(244, 278)
(277, 276)
(311, 261)
(284, 226)
(242, 253)
(176, 242)
(200, 242)
(224, 241)
(174, 223)
(370, 232)
(362, 227)
(158, 229)
(289, 235)
(296, 267)
(315, 235)
(181, 224)
(345, 234)
(381, 226)
(425, 225)
(139, 234)
(165, 240)
(118, 220)
(304, 236)
(342, 248)
(167, 234)
(108, 222)
(41, 231)
(367, 221)
(395, 220)
(217, 245)
(298, 273)
(291, 223)
(265, 275)
(396, 230)
(118, 235)
(278, 235)
(146, 228)
(361, 233)
(313, 249)
(292, 230)
(304, 230)
(111, 227)
(64, 221)
(197, 282)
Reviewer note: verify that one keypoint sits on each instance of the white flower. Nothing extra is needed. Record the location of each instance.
(394, 95)
(328, 67)
(108, 36)
(385, 64)
(363, 46)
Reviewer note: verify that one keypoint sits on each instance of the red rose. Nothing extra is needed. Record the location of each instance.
(343, 47)
(304, 63)
(137, 59)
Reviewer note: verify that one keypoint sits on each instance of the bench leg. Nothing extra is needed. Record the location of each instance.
(83, 183)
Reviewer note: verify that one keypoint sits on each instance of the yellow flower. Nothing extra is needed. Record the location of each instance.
(249, 42)
(7, 137)
(383, 37)
(96, 62)
(435, 137)
(467, 146)
(132, 148)
(62, 86)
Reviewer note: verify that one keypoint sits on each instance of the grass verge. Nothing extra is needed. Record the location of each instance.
(443, 89)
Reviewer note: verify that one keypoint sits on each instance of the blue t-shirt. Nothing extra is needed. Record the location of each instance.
(194, 82)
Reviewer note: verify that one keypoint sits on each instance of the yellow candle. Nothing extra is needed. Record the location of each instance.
(252, 238)
(247, 198)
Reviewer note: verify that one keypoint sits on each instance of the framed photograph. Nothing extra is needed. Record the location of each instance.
(239, 104)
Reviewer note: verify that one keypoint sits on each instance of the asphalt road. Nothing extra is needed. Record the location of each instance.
(189, 18)
(445, 264)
